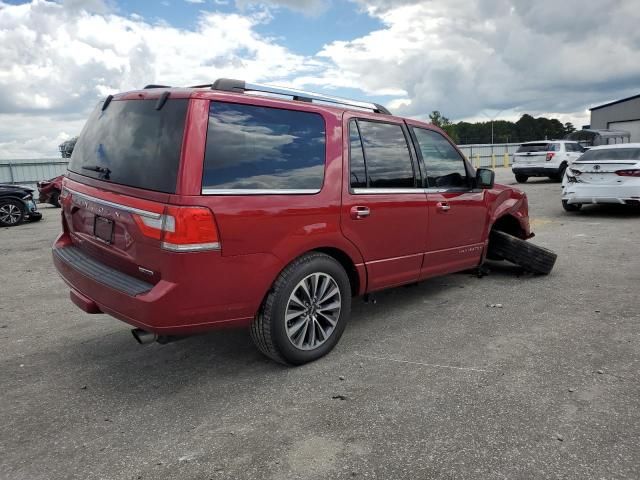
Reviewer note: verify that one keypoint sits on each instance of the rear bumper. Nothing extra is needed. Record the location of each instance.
(536, 171)
(206, 299)
(592, 194)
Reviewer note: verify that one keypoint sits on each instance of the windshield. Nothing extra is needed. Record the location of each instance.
(131, 143)
(538, 147)
(611, 154)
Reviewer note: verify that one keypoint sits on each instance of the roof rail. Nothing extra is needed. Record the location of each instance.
(240, 86)
(146, 87)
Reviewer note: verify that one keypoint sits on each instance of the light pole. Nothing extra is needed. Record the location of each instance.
(492, 119)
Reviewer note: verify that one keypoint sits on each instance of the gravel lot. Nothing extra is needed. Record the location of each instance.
(430, 382)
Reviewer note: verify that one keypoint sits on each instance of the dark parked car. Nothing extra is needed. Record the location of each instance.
(17, 205)
(189, 209)
(50, 190)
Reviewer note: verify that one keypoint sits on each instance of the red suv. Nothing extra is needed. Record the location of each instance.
(238, 204)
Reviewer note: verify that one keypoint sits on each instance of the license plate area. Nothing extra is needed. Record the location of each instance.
(103, 229)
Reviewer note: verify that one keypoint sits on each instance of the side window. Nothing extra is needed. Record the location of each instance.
(259, 148)
(386, 154)
(357, 168)
(445, 166)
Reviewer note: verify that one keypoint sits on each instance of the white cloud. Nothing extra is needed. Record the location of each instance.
(457, 56)
(462, 57)
(308, 7)
(194, 1)
(56, 62)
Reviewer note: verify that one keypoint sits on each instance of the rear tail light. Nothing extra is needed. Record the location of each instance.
(550, 156)
(182, 229)
(628, 173)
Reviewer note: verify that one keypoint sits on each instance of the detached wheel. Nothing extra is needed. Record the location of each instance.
(520, 178)
(11, 212)
(306, 311)
(529, 256)
(571, 207)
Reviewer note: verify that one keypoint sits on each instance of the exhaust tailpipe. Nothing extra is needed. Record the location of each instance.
(143, 337)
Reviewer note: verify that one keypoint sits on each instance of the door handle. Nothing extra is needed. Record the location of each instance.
(358, 212)
(443, 206)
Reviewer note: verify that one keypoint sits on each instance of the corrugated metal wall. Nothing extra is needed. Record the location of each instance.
(31, 170)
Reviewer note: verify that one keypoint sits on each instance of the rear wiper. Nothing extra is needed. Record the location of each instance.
(95, 168)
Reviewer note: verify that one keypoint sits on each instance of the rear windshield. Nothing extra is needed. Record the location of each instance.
(131, 143)
(611, 154)
(538, 147)
(259, 148)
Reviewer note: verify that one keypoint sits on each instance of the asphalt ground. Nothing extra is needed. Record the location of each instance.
(429, 382)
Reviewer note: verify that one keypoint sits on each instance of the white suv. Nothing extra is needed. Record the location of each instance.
(546, 158)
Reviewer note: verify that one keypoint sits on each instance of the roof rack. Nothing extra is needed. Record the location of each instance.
(240, 86)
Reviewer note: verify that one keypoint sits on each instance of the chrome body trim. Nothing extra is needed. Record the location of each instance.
(126, 208)
(256, 191)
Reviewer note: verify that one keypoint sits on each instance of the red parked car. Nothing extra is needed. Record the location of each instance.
(50, 190)
(191, 209)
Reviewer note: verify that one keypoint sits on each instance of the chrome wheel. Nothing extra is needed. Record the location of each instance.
(313, 311)
(10, 214)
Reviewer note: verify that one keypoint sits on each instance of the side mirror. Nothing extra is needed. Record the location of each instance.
(485, 178)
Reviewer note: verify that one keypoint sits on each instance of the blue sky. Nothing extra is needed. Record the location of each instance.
(470, 59)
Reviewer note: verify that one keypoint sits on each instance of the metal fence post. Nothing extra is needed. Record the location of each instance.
(11, 176)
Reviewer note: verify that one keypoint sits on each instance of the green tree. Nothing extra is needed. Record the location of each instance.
(439, 120)
(569, 128)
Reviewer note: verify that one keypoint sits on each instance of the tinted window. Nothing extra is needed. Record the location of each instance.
(538, 147)
(132, 143)
(611, 154)
(445, 167)
(356, 158)
(250, 147)
(387, 155)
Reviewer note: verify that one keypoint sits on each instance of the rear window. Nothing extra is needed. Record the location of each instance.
(260, 148)
(611, 154)
(538, 147)
(131, 143)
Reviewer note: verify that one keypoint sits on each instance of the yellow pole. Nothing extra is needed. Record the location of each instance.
(493, 161)
(506, 160)
(477, 160)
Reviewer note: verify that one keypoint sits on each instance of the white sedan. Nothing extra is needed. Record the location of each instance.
(604, 174)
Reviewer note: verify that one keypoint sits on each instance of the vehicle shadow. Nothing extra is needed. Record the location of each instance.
(114, 362)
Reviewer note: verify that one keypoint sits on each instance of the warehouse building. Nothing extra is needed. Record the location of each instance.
(619, 115)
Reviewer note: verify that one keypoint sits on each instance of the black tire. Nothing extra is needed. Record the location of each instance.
(268, 329)
(520, 178)
(55, 199)
(571, 207)
(560, 175)
(11, 212)
(529, 256)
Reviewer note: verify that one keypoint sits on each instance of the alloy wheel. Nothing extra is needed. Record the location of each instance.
(10, 214)
(313, 311)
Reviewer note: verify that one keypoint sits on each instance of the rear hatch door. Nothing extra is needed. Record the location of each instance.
(533, 154)
(122, 172)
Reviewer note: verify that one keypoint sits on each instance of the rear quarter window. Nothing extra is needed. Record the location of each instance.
(253, 148)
